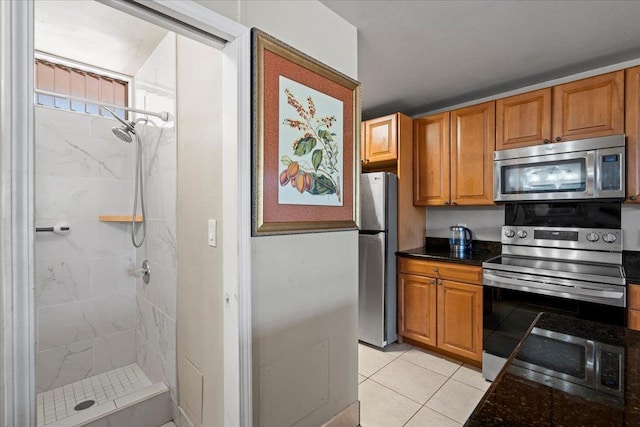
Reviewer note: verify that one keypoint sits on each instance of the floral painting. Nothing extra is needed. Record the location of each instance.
(305, 136)
(310, 146)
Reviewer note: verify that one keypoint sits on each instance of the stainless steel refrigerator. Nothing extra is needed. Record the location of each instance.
(378, 242)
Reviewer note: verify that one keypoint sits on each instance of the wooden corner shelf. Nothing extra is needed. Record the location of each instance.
(118, 218)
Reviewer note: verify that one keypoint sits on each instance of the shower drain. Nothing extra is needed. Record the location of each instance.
(84, 405)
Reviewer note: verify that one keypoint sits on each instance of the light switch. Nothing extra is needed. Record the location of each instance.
(213, 232)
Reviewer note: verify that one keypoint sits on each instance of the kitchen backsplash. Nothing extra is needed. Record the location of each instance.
(631, 227)
(486, 222)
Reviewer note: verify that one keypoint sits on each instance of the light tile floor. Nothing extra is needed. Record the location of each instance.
(404, 385)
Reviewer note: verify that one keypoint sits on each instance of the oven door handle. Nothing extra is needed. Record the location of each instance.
(609, 296)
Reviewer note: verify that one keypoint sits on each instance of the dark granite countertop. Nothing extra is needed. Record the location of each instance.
(631, 264)
(437, 249)
(525, 394)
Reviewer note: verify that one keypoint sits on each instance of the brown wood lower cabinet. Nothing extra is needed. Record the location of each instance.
(438, 309)
(417, 297)
(460, 318)
(633, 307)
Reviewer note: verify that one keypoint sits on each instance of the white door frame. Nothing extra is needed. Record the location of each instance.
(17, 203)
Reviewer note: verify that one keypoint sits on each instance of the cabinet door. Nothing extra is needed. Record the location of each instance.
(473, 140)
(417, 308)
(588, 108)
(460, 318)
(381, 139)
(431, 160)
(523, 120)
(633, 305)
(633, 134)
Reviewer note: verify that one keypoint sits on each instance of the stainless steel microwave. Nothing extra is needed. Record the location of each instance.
(574, 170)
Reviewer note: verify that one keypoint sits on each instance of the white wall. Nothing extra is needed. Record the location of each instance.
(200, 266)
(631, 227)
(304, 311)
(155, 90)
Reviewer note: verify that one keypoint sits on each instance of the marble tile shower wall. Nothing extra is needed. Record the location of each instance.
(155, 86)
(85, 298)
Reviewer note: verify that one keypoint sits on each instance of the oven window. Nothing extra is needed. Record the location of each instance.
(566, 358)
(545, 177)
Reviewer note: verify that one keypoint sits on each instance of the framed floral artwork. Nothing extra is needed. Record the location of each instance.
(306, 120)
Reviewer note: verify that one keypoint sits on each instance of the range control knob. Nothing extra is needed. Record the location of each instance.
(593, 237)
(609, 237)
(522, 234)
(509, 232)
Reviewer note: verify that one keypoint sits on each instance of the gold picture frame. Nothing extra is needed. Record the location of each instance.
(306, 133)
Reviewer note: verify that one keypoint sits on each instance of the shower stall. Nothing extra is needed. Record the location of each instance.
(106, 272)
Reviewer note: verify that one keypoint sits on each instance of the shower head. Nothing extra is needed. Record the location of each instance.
(122, 133)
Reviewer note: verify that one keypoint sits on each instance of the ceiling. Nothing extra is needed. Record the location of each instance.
(418, 56)
(95, 34)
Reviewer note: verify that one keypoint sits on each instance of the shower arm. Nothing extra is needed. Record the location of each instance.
(129, 126)
(163, 115)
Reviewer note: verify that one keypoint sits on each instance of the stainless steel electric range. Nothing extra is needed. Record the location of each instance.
(564, 258)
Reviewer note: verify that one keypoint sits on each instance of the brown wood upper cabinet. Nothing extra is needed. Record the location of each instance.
(633, 135)
(453, 157)
(523, 120)
(473, 141)
(431, 157)
(381, 139)
(581, 109)
(589, 107)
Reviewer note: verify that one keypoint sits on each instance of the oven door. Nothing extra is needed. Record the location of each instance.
(565, 176)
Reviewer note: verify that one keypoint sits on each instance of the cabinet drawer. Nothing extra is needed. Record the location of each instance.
(441, 270)
(633, 297)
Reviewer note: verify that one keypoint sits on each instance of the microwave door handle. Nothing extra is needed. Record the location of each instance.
(592, 173)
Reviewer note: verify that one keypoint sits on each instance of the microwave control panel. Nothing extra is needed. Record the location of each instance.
(610, 169)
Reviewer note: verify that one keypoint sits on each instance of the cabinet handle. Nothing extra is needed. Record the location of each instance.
(453, 202)
(634, 197)
(435, 269)
(439, 282)
(446, 202)
(546, 141)
(432, 282)
(558, 139)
